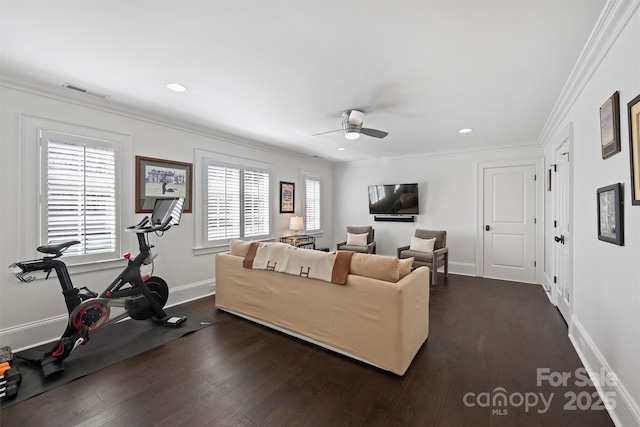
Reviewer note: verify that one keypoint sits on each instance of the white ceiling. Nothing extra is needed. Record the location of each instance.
(279, 71)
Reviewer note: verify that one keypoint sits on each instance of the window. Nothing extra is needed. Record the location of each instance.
(238, 202)
(79, 194)
(312, 203)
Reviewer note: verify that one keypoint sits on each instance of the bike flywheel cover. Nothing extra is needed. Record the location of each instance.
(92, 313)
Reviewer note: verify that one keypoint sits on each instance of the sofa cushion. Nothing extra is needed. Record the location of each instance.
(357, 239)
(379, 267)
(422, 245)
(405, 266)
(239, 247)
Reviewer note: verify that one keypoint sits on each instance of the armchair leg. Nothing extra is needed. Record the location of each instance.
(446, 265)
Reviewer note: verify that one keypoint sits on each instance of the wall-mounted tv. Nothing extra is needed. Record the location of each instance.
(394, 199)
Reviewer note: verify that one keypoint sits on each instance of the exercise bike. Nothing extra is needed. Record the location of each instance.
(134, 293)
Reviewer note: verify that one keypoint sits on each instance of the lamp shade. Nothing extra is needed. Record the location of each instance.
(296, 223)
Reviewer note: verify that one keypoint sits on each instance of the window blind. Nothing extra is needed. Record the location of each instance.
(223, 202)
(312, 203)
(238, 202)
(81, 197)
(256, 203)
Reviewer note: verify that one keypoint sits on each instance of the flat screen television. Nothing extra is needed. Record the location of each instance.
(164, 208)
(394, 199)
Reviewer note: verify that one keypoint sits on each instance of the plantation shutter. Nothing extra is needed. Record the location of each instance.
(81, 197)
(223, 202)
(256, 203)
(312, 204)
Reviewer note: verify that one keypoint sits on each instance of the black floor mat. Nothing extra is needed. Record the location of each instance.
(107, 346)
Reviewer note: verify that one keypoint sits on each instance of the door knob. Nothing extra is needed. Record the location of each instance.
(487, 228)
(559, 239)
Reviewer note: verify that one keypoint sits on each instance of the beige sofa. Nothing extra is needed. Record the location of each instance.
(376, 321)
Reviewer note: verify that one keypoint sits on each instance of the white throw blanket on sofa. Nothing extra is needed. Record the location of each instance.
(281, 257)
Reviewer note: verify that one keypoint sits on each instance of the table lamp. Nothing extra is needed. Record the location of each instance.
(296, 223)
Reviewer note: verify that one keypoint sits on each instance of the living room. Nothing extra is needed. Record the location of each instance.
(604, 311)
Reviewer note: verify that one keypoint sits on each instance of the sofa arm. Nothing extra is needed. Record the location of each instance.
(402, 248)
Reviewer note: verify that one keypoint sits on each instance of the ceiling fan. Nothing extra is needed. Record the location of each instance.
(352, 126)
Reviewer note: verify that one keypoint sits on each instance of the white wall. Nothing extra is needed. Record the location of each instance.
(605, 326)
(447, 193)
(35, 312)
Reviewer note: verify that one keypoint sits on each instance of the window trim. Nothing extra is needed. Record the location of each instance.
(30, 185)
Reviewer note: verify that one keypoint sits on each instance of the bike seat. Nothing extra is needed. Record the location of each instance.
(58, 248)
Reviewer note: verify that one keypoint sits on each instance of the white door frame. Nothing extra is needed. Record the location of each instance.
(538, 163)
(565, 137)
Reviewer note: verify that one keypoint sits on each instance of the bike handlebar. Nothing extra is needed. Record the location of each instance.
(142, 226)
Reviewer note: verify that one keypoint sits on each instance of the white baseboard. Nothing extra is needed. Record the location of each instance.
(43, 331)
(462, 268)
(191, 291)
(627, 411)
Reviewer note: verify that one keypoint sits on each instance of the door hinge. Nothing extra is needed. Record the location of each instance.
(535, 177)
(555, 224)
(534, 263)
(555, 279)
(555, 167)
(535, 220)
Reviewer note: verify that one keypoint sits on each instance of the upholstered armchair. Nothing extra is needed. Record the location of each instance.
(428, 248)
(359, 239)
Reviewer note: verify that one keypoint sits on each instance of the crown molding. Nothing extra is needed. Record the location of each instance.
(108, 106)
(438, 154)
(615, 16)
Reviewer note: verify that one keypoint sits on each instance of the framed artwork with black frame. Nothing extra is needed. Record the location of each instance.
(610, 214)
(158, 178)
(634, 148)
(287, 197)
(610, 126)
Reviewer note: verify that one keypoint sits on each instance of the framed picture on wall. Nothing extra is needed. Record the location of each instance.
(157, 178)
(634, 148)
(610, 126)
(287, 197)
(610, 214)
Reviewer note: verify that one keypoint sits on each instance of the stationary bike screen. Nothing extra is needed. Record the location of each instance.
(165, 208)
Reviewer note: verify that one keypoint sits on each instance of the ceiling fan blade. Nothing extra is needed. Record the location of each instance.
(329, 131)
(356, 117)
(374, 132)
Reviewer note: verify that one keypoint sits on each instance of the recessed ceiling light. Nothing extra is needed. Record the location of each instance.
(465, 130)
(176, 87)
(341, 149)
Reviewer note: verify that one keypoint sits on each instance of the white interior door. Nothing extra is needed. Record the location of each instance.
(509, 223)
(562, 239)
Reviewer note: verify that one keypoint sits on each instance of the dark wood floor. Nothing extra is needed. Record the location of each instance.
(484, 335)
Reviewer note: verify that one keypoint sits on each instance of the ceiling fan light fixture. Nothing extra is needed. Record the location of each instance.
(351, 134)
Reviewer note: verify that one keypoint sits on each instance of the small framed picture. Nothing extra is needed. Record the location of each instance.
(287, 197)
(634, 148)
(158, 178)
(610, 126)
(610, 214)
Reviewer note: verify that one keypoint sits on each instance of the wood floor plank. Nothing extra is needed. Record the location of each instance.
(485, 336)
